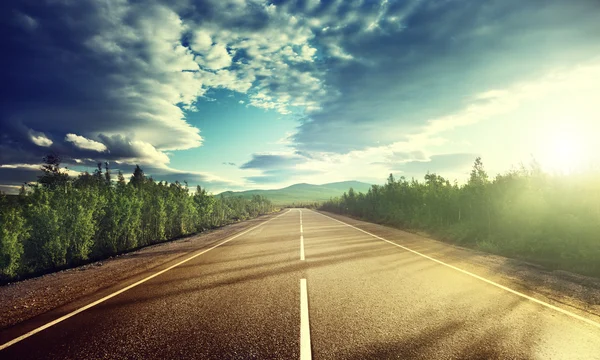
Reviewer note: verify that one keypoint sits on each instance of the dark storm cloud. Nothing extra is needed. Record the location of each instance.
(19, 175)
(90, 68)
(425, 59)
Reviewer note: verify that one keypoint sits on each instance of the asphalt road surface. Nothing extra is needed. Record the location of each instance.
(304, 285)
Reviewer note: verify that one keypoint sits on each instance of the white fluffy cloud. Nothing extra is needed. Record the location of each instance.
(130, 151)
(201, 41)
(85, 143)
(40, 139)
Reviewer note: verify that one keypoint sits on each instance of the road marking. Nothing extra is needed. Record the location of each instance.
(305, 351)
(65, 317)
(540, 302)
(301, 238)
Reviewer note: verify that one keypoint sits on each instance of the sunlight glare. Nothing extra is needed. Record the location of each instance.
(564, 150)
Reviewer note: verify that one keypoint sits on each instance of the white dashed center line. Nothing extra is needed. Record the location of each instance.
(305, 351)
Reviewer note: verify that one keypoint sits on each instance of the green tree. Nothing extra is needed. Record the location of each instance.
(13, 232)
(66, 221)
(53, 176)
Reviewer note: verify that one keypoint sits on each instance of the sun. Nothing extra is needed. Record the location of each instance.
(567, 155)
(564, 150)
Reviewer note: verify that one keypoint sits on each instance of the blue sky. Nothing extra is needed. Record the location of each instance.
(233, 94)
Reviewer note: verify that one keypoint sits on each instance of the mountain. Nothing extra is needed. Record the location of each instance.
(303, 193)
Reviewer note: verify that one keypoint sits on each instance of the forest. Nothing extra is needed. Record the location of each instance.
(549, 219)
(62, 221)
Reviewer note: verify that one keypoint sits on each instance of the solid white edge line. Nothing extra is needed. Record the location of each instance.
(65, 317)
(305, 351)
(540, 302)
(301, 238)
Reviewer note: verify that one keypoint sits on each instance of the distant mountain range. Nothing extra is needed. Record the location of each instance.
(303, 193)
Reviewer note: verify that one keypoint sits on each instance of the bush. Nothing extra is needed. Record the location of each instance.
(13, 232)
(553, 220)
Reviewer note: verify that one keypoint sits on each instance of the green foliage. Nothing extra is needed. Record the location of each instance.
(52, 176)
(306, 205)
(47, 246)
(13, 231)
(552, 220)
(64, 222)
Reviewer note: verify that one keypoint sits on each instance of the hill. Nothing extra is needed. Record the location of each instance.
(303, 193)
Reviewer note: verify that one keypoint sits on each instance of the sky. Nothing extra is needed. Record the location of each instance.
(235, 95)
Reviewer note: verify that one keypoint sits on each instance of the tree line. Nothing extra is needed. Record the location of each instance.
(303, 204)
(553, 220)
(63, 221)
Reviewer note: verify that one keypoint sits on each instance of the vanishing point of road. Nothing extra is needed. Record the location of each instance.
(304, 285)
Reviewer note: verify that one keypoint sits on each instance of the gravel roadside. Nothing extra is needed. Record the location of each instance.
(26, 299)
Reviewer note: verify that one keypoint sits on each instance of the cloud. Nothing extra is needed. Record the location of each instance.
(25, 21)
(400, 156)
(14, 175)
(363, 76)
(266, 179)
(124, 149)
(425, 59)
(215, 58)
(201, 41)
(278, 168)
(230, 163)
(273, 161)
(453, 163)
(118, 69)
(281, 175)
(133, 70)
(18, 174)
(207, 181)
(84, 143)
(257, 48)
(40, 139)
(397, 157)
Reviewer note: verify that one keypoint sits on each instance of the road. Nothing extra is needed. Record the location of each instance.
(305, 285)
